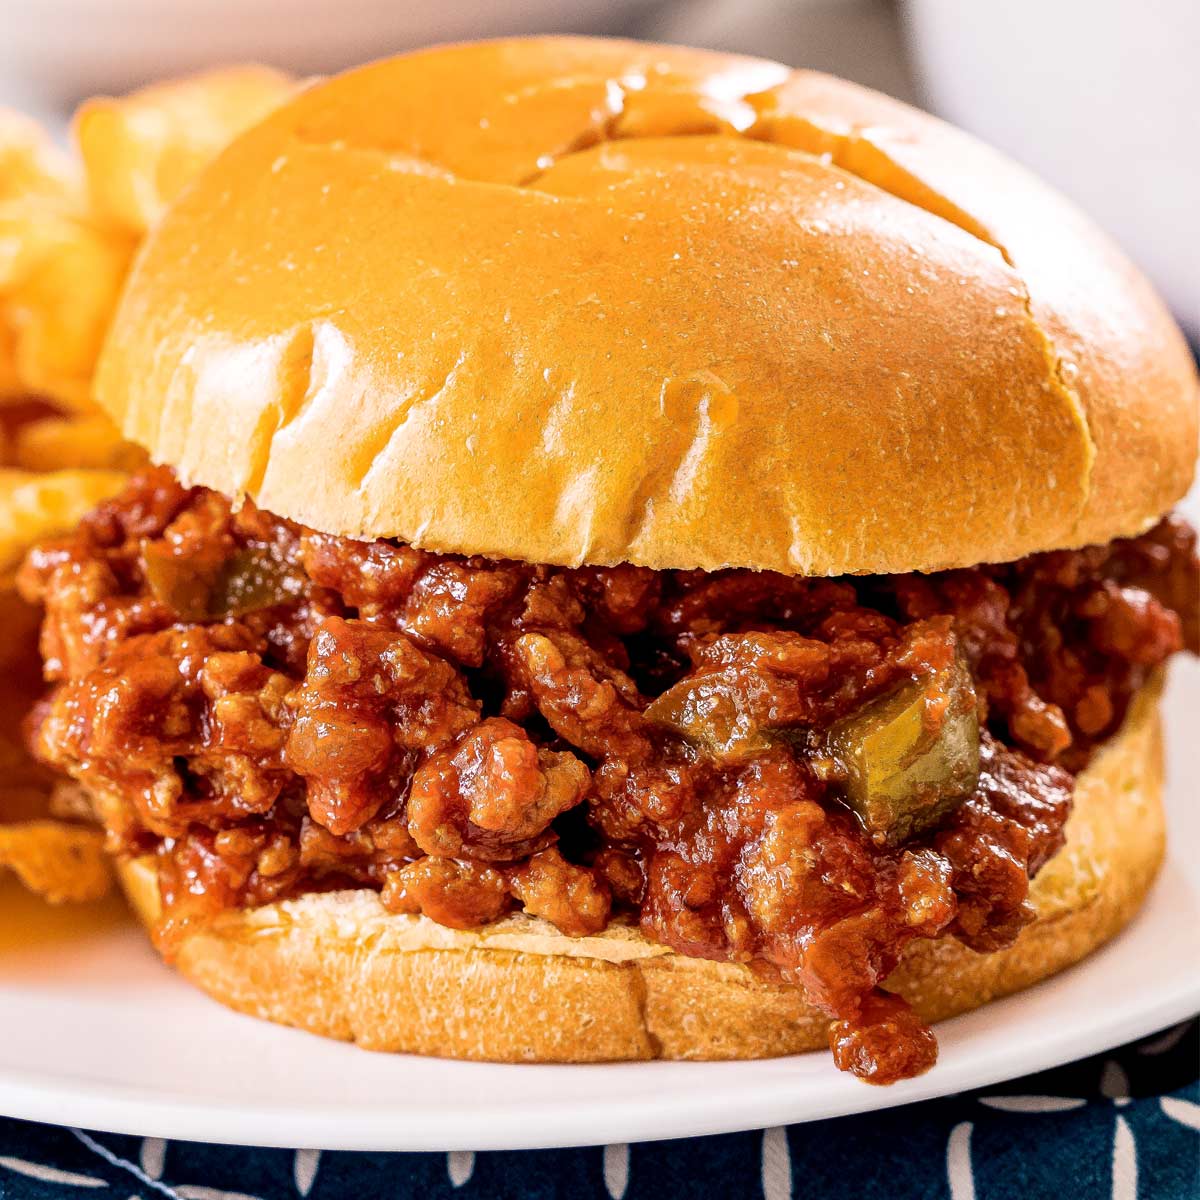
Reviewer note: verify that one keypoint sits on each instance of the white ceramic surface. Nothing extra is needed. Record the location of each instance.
(100, 1035)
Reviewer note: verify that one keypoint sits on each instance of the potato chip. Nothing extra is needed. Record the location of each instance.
(35, 506)
(60, 276)
(64, 863)
(31, 165)
(42, 210)
(55, 443)
(140, 150)
(65, 249)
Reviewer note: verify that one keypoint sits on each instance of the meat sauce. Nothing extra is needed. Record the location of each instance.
(274, 711)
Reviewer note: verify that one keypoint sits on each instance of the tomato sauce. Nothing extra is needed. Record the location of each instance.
(274, 711)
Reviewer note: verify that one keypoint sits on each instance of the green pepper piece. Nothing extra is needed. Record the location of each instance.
(912, 756)
(713, 713)
(246, 580)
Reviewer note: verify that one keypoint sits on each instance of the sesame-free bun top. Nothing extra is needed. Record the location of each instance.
(585, 301)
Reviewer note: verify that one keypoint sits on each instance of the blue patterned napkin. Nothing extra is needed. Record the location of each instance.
(1122, 1126)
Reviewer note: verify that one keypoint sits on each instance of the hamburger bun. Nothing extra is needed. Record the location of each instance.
(575, 301)
(340, 965)
(578, 302)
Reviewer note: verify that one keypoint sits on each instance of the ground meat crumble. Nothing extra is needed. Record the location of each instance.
(274, 711)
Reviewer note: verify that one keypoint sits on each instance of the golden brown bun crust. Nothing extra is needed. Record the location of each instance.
(573, 300)
(518, 991)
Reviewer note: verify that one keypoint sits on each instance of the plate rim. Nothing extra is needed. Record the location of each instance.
(118, 1109)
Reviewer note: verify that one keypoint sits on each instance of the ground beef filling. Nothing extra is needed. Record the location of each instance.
(274, 711)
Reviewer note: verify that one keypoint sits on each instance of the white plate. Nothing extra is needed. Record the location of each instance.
(99, 1034)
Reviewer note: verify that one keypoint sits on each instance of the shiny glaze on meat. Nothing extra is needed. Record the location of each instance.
(273, 711)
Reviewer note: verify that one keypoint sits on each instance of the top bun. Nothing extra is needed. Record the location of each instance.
(581, 301)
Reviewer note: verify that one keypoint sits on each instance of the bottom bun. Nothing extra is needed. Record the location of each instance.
(341, 965)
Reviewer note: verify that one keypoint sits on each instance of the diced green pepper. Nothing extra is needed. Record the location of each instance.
(246, 580)
(910, 757)
(712, 712)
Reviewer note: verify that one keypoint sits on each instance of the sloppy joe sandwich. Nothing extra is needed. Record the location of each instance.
(652, 554)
